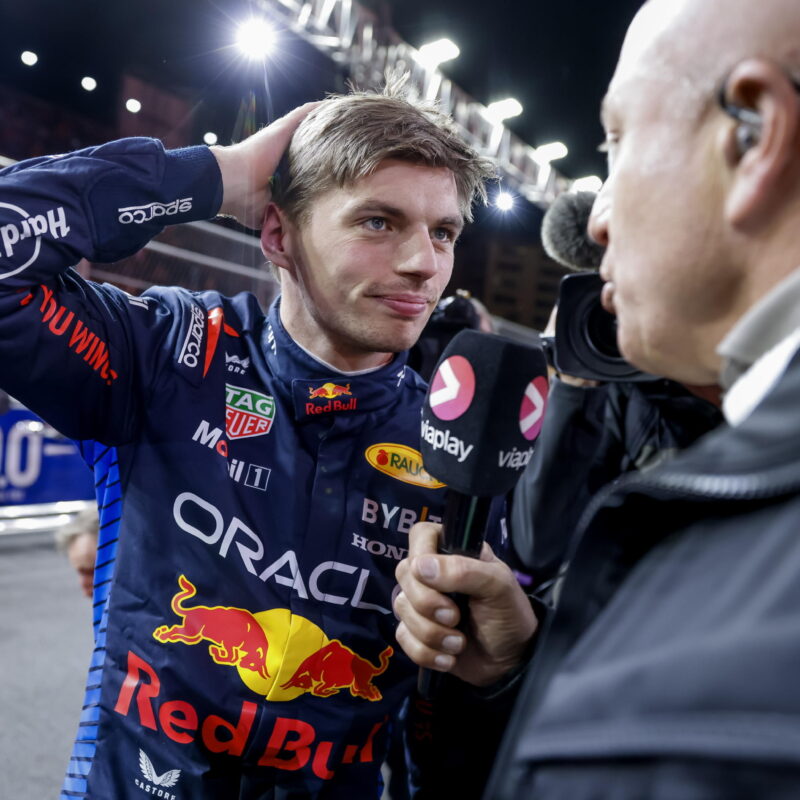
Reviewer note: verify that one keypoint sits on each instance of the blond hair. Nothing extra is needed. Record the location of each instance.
(349, 135)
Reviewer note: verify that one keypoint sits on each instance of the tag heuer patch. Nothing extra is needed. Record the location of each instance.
(247, 413)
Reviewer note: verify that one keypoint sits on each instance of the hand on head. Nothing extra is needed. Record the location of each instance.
(501, 619)
(247, 167)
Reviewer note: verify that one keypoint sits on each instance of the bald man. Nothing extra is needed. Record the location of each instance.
(670, 667)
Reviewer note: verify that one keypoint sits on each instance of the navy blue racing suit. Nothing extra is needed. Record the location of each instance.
(254, 502)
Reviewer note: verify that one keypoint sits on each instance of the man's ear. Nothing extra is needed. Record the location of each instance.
(276, 238)
(764, 160)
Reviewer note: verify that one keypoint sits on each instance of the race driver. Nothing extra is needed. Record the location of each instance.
(256, 474)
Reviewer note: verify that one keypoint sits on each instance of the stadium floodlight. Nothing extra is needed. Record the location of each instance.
(503, 109)
(28, 58)
(255, 38)
(133, 105)
(435, 53)
(89, 83)
(504, 201)
(210, 138)
(550, 152)
(589, 184)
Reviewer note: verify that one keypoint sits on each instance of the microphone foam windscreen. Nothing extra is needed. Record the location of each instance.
(483, 411)
(565, 234)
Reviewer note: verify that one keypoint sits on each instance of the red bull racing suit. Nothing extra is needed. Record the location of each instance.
(254, 501)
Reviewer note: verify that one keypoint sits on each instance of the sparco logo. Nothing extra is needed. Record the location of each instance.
(30, 229)
(139, 214)
(190, 352)
(153, 784)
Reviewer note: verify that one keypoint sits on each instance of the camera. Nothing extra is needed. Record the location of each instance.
(452, 314)
(585, 344)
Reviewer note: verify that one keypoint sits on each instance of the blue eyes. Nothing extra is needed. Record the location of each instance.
(380, 224)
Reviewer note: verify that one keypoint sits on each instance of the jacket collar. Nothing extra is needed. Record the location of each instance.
(763, 327)
(318, 390)
(758, 458)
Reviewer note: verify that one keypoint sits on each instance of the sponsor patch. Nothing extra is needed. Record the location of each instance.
(136, 215)
(247, 412)
(22, 238)
(277, 653)
(193, 341)
(63, 322)
(155, 784)
(328, 668)
(236, 365)
(330, 397)
(402, 463)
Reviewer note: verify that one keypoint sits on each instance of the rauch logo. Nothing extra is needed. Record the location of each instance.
(402, 463)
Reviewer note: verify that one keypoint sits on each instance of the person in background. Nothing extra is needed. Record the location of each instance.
(668, 667)
(78, 539)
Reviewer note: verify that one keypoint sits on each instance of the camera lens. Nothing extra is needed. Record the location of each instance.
(601, 331)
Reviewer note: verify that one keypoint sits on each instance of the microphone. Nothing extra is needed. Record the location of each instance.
(585, 344)
(483, 411)
(565, 233)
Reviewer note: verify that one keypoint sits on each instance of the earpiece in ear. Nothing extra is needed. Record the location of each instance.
(747, 136)
(748, 131)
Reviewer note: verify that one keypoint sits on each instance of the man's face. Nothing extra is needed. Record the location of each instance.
(669, 279)
(372, 259)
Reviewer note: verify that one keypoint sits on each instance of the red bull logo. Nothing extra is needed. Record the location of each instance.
(235, 635)
(330, 392)
(335, 667)
(292, 744)
(277, 654)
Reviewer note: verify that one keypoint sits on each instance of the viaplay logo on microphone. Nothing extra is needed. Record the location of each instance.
(452, 388)
(531, 411)
(451, 394)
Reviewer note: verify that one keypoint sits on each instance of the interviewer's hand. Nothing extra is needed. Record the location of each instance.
(501, 619)
(247, 167)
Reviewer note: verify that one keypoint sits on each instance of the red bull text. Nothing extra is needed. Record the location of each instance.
(330, 392)
(292, 743)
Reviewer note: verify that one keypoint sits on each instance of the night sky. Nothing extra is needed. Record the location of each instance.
(555, 57)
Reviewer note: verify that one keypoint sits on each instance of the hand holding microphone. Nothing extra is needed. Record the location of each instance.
(484, 409)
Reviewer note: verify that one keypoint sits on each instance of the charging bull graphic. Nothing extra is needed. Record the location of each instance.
(334, 667)
(235, 634)
(329, 391)
(301, 658)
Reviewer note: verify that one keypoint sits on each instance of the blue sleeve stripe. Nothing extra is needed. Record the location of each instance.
(109, 494)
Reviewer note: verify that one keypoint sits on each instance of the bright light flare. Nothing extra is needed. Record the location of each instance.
(589, 184)
(504, 201)
(255, 38)
(89, 83)
(133, 105)
(503, 109)
(210, 138)
(550, 152)
(435, 53)
(28, 58)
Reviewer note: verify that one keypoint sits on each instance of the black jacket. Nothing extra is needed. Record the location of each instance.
(670, 668)
(592, 436)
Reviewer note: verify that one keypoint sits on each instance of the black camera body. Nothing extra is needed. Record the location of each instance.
(585, 344)
(451, 315)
